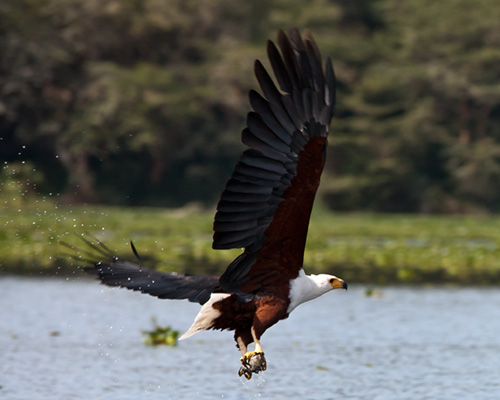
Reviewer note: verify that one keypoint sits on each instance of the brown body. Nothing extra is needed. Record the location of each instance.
(261, 313)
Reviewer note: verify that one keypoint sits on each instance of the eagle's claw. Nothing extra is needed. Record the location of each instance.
(252, 362)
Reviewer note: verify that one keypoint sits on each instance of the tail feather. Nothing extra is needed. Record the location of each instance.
(206, 317)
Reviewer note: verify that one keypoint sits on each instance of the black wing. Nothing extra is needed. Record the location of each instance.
(266, 205)
(114, 272)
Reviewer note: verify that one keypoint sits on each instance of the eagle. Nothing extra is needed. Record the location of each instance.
(264, 209)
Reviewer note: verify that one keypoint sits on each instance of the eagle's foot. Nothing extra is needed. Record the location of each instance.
(252, 362)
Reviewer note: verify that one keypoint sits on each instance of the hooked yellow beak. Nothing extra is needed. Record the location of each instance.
(338, 283)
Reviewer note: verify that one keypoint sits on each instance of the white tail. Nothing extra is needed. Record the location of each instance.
(206, 317)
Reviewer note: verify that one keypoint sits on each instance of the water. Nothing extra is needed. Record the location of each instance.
(80, 340)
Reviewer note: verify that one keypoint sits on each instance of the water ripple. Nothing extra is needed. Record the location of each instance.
(80, 340)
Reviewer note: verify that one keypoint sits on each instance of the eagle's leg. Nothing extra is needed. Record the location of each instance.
(241, 345)
(243, 338)
(251, 361)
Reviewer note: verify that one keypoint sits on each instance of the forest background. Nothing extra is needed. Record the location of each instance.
(140, 102)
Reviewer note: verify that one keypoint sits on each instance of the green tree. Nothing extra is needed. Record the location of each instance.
(142, 101)
(421, 109)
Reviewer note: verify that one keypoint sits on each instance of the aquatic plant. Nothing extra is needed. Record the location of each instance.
(160, 335)
(369, 248)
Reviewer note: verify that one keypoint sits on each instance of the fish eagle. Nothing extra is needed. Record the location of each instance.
(264, 209)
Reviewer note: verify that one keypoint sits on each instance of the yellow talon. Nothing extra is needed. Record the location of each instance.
(244, 371)
(249, 354)
(252, 362)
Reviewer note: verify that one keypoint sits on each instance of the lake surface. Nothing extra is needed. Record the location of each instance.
(77, 339)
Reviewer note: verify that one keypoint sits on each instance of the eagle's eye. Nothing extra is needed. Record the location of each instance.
(332, 280)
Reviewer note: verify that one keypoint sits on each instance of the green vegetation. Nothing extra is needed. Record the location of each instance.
(141, 102)
(160, 336)
(358, 247)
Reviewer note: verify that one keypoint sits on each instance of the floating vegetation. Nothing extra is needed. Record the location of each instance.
(371, 292)
(160, 335)
(361, 248)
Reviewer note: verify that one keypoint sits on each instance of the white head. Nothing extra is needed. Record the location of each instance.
(308, 287)
(329, 282)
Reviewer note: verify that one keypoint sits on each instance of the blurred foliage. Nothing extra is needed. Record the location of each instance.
(359, 247)
(160, 335)
(140, 102)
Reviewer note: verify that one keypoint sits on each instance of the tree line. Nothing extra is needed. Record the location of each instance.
(140, 102)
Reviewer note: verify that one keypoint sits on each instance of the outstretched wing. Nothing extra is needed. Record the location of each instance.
(114, 272)
(266, 205)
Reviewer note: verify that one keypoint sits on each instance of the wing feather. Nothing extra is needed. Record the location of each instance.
(283, 117)
(266, 83)
(265, 207)
(115, 272)
(278, 140)
(279, 68)
(159, 284)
